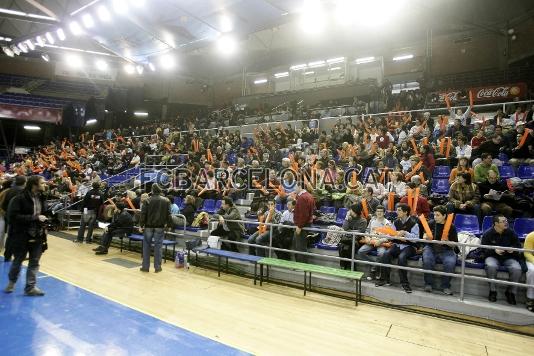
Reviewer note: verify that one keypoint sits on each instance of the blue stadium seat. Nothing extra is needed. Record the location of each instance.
(218, 205)
(467, 223)
(503, 157)
(208, 206)
(178, 201)
(440, 185)
(506, 171)
(487, 223)
(523, 227)
(341, 214)
(442, 172)
(328, 209)
(525, 172)
(279, 207)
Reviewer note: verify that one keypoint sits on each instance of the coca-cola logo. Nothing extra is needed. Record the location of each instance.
(499, 92)
(453, 96)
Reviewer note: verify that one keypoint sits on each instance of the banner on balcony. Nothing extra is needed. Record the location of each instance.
(507, 92)
(30, 113)
(64, 70)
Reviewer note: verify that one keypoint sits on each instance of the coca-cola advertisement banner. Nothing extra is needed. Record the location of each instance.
(499, 92)
(29, 113)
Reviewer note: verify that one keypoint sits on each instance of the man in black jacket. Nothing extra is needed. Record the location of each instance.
(90, 206)
(25, 212)
(20, 181)
(228, 229)
(501, 235)
(155, 216)
(122, 224)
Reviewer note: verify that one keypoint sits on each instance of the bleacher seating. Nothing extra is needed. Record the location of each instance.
(487, 223)
(525, 172)
(467, 223)
(208, 206)
(442, 172)
(506, 171)
(440, 185)
(341, 214)
(327, 209)
(523, 227)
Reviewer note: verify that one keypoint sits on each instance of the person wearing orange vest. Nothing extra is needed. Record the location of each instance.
(440, 228)
(267, 214)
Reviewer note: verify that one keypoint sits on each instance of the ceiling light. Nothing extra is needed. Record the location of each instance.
(7, 39)
(167, 61)
(50, 38)
(335, 60)
(141, 113)
(365, 60)
(281, 75)
(226, 24)
(151, 66)
(227, 45)
(120, 6)
(139, 69)
(91, 121)
(103, 13)
(316, 64)
(309, 73)
(30, 44)
(298, 67)
(61, 34)
(31, 127)
(15, 49)
(75, 28)
(88, 21)
(129, 68)
(403, 57)
(334, 68)
(23, 47)
(101, 65)
(260, 81)
(45, 57)
(40, 41)
(8, 51)
(74, 61)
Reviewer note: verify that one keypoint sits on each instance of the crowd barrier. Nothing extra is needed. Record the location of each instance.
(462, 256)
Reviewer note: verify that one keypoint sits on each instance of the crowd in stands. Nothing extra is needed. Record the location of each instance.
(405, 169)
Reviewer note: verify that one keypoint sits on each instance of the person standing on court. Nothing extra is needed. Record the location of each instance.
(9, 194)
(90, 206)
(27, 234)
(155, 216)
(302, 217)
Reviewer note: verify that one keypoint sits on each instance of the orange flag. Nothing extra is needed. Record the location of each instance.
(426, 227)
(391, 201)
(365, 209)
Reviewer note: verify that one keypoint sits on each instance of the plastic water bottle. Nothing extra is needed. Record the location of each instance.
(179, 259)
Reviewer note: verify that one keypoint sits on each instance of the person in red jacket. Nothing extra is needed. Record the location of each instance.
(302, 217)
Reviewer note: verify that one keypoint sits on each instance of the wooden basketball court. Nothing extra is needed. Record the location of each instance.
(267, 320)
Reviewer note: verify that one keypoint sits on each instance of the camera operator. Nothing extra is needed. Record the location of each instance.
(28, 233)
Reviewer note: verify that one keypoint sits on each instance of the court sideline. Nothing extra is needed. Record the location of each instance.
(272, 319)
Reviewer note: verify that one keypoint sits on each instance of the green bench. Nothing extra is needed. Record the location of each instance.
(308, 269)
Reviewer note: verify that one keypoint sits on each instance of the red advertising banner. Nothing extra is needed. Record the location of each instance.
(29, 113)
(499, 92)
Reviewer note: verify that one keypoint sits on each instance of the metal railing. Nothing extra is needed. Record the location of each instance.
(462, 246)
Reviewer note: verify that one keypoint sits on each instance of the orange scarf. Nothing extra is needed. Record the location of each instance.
(414, 170)
(446, 228)
(365, 209)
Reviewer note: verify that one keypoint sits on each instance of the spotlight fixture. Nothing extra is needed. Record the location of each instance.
(75, 28)
(8, 51)
(61, 34)
(15, 49)
(129, 68)
(101, 65)
(281, 75)
(40, 41)
(50, 38)
(88, 21)
(151, 66)
(90, 122)
(167, 61)
(298, 67)
(30, 44)
(45, 57)
(365, 60)
(260, 81)
(103, 13)
(141, 113)
(227, 45)
(23, 47)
